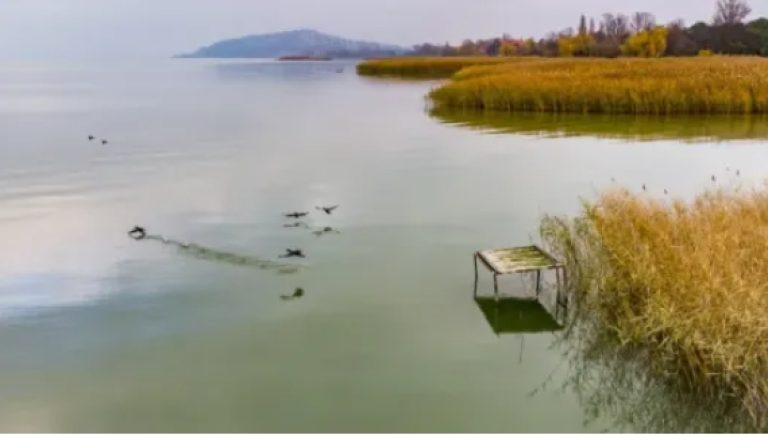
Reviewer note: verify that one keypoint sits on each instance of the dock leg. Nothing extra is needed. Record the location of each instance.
(565, 277)
(476, 277)
(557, 278)
(565, 287)
(496, 285)
(538, 283)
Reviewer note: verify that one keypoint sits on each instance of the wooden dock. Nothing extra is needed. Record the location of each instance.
(525, 259)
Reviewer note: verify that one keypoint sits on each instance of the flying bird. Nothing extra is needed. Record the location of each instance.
(296, 215)
(328, 210)
(137, 233)
(293, 253)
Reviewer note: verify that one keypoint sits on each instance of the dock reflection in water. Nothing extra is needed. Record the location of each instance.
(517, 317)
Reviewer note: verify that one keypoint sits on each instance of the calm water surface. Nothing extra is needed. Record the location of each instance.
(102, 333)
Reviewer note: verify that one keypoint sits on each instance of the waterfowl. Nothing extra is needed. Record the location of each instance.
(137, 233)
(296, 215)
(91, 137)
(293, 253)
(324, 230)
(299, 292)
(104, 142)
(295, 225)
(327, 210)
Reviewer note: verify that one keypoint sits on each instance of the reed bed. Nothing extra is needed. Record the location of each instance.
(686, 282)
(422, 67)
(722, 85)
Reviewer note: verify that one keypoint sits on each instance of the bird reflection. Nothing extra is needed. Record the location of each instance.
(325, 230)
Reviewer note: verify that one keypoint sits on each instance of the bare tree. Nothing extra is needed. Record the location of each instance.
(616, 27)
(731, 11)
(642, 21)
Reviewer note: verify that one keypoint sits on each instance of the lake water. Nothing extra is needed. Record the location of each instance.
(99, 332)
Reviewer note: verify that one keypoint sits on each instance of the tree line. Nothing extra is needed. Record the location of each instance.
(639, 34)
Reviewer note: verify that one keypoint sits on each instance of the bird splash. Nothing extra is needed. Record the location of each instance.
(205, 253)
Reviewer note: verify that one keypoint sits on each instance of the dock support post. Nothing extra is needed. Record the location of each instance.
(476, 277)
(496, 286)
(538, 283)
(557, 278)
(565, 287)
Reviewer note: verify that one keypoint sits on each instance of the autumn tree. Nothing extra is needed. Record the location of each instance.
(759, 28)
(648, 43)
(679, 42)
(468, 48)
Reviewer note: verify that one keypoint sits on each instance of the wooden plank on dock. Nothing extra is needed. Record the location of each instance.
(517, 260)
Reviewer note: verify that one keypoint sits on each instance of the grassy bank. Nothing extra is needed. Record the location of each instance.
(422, 67)
(724, 85)
(684, 282)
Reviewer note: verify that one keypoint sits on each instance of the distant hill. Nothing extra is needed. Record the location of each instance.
(304, 42)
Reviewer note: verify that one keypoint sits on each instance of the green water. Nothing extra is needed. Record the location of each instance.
(99, 332)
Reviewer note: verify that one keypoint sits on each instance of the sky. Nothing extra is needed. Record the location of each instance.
(105, 29)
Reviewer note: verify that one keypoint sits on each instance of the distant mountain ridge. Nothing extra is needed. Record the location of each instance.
(303, 42)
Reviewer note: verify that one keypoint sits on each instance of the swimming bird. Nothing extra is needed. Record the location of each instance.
(104, 142)
(91, 137)
(328, 210)
(293, 253)
(340, 70)
(299, 292)
(137, 233)
(296, 215)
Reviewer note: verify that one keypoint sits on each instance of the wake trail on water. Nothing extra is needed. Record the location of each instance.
(211, 254)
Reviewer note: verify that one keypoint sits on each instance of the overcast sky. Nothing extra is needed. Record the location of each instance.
(92, 29)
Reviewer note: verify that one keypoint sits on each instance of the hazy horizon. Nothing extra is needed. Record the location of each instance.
(109, 29)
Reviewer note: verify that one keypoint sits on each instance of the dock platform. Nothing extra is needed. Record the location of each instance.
(525, 259)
